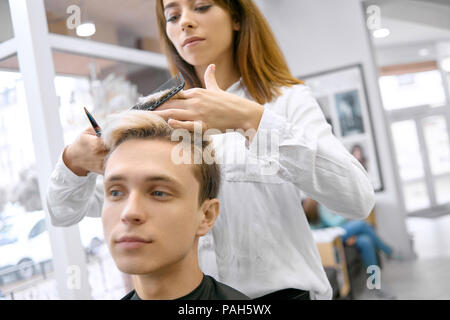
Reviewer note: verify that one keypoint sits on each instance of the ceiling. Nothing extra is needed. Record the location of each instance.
(442, 2)
(407, 32)
(413, 21)
(122, 22)
(410, 21)
(135, 16)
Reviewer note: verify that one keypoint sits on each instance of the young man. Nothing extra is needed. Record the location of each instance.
(155, 210)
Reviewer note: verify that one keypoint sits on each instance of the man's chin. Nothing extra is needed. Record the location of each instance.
(133, 266)
(134, 270)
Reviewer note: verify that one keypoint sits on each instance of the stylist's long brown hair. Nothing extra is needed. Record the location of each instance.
(260, 61)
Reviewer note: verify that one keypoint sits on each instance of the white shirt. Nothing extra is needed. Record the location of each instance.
(261, 241)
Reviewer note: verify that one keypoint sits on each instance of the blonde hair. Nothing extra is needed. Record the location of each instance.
(258, 57)
(138, 124)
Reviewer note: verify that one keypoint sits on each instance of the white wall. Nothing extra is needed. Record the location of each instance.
(318, 35)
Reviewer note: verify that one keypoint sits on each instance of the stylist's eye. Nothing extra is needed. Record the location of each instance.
(172, 18)
(203, 8)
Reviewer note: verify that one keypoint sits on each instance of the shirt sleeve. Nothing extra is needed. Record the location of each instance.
(70, 198)
(298, 145)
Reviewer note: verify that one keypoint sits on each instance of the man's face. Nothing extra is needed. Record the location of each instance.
(151, 214)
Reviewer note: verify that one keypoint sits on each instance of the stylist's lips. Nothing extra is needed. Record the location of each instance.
(192, 41)
(132, 242)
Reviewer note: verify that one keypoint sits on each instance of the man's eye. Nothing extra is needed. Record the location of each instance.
(159, 193)
(115, 193)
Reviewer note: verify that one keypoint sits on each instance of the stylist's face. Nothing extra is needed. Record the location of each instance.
(151, 215)
(205, 20)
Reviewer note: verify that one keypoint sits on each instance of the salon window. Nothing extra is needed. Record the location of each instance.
(26, 269)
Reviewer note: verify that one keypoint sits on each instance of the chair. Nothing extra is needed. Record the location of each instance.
(344, 259)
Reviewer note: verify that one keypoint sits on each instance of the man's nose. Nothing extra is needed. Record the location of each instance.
(134, 211)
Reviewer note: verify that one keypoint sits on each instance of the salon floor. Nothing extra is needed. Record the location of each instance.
(426, 277)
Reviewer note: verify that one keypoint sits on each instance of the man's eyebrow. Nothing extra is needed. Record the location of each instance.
(163, 178)
(151, 178)
(115, 178)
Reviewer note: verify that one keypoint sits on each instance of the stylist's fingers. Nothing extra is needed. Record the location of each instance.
(188, 125)
(91, 136)
(210, 78)
(101, 149)
(97, 143)
(89, 130)
(174, 104)
(179, 95)
(176, 114)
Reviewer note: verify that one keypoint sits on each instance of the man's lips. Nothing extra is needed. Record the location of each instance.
(132, 241)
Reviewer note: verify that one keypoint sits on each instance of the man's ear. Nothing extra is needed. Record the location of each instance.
(209, 211)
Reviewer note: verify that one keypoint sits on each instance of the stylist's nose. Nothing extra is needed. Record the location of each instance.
(134, 210)
(187, 21)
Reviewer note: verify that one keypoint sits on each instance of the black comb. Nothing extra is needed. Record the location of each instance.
(166, 91)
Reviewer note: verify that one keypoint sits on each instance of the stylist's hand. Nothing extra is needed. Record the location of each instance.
(86, 154)
(216, 108)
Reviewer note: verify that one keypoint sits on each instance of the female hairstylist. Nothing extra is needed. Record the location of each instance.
(237, 78)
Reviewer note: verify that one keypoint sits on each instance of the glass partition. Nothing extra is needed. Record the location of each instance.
(438, 147)
(26, 270)
(410, 164)
(103, 86)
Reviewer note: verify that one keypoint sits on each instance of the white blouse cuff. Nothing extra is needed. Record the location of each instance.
(62, 172)
(268, 136)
